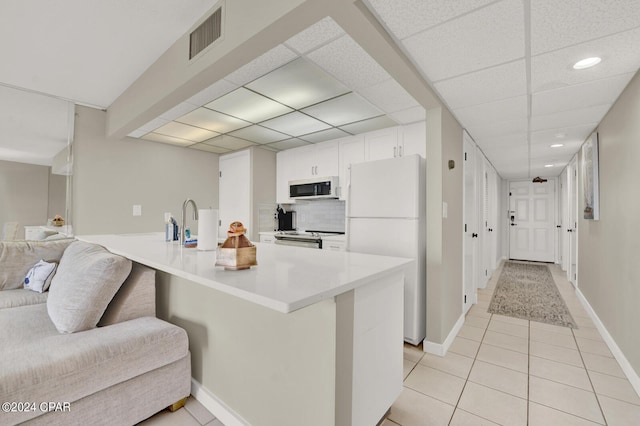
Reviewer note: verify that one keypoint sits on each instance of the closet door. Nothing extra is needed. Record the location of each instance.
(470, 242)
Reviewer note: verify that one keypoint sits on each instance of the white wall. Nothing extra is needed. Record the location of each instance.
(110, 176)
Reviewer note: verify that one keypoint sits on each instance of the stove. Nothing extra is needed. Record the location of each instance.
(308, 238)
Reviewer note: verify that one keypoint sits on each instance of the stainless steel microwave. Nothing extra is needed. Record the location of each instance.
(314, 188)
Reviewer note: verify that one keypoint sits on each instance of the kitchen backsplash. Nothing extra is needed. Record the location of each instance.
(320, 215)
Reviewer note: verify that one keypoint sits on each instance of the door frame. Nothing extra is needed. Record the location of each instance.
(469, 289)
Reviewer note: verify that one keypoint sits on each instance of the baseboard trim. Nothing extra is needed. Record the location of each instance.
(441, 349)
(218, 408)
(628, 370)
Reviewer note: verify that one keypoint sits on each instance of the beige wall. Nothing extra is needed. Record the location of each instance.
(609, 249)
(110, 176)
(29, 194)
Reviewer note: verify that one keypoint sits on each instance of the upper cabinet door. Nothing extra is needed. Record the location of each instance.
(414, 139)
(326, 156)
(381, 144)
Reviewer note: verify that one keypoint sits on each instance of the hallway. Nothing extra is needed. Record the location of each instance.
(503, 370)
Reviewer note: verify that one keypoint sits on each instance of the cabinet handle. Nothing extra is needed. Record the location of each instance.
(400, 151)
(394, 151)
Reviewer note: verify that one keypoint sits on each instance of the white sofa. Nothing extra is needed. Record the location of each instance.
(122, 371)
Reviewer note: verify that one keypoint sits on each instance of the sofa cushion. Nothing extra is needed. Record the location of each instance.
(17, 257)
(87, 279)
(21, 297)
(136, 297)
(39, 364)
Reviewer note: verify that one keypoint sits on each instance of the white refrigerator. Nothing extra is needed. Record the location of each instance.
(386, 216)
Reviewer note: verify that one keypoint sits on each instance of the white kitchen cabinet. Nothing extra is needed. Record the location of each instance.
(247, 181)
(267, 237)
(334, 245)
(414, 139)
(286, 172)
(351, 152)
(396, 142)
(317, 160)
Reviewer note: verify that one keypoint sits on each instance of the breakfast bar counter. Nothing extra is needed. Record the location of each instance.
(306, 336)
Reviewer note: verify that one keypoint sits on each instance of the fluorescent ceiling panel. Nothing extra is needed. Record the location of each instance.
(210, 148)
(259, 134)
(298, 84)
(156, 137)
(369, 125)
(342, 110)
(212, 120)
(389, 96)
(324, 135)
(295, 124)
(212, 92)
(178, 110)
(184, 131)
(287, 144)
(248, 105)
(229, 142)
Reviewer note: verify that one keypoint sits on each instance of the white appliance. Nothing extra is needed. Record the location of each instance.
(386, 216)
(314, 188)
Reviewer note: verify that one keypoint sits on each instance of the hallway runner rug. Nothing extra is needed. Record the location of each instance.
(527, 291)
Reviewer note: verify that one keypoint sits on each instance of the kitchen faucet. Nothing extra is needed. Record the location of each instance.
(183, 223)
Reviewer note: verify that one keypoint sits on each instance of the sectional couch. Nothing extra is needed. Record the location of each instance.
(90, 350)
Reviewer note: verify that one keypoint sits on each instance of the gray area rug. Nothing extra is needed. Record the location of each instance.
(527, 291)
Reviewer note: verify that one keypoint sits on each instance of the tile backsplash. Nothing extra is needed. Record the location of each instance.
(322, 215)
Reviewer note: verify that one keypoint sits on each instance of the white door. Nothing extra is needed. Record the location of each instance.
(572, 225)
(470, 242)
(234, 191)
(532, 221)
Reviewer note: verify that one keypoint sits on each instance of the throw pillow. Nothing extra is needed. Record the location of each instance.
(87, 279)
(39, 277)
(17, 257)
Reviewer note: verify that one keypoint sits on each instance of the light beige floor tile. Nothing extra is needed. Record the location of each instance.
(504, 358)
(407, 366)
(215, 422)
(451, 363)
(516, 330)
(462, 418)
(493, 405)
(550, 327)
(387, 422)
(435, 383)
(415, 409)
(584, 322)
(588, 333)
(412, 353)
(556, 353)
(167, 418)
(466, 347)
(506, 341)
(565, 398)
(540, 415)
(614, 387)
(593, 347)
(619, 413)
(559, 372)
(478, 312)
(198, 411)
(602, 364)
(474, 321)
(510, 320)
(499, 378)
(472, 333)
(551, 338)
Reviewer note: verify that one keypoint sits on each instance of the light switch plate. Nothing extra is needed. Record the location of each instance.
(137, 210)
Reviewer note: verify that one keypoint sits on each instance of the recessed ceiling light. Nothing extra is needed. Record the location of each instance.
(548, 165)
(557, 145)
(587, 63)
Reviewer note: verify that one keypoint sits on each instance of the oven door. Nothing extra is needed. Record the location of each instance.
(297, 242)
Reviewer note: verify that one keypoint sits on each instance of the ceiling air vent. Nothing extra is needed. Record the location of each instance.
(208, 32)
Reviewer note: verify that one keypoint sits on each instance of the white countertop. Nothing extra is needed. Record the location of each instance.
(285, 279)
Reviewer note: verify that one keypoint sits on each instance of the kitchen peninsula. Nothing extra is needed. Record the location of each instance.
(307, 336)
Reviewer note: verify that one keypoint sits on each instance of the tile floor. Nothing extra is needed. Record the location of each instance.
(507, 371)
(501, 370)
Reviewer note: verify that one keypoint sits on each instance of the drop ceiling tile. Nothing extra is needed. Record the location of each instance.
(324, 135)
(407, 17)
(504, 110)
(156, 137)
(552, 155)
(316, 35)
(348, 62)
(229, 142)
(263, 64)
(269, 148)
(481, 39)
(287, 144)
(408, 116)
(494, 143)
(491, 84)
(343, 109)
(497, 128)
(212, 120)
(210, 148)
(389, 96)
(295, 124)
(178, 110)
(556, 24)
(248, 105)
(259, 134)
(571, 118)
(619, 55)
(508, 153)
(298, 84)
(369, 125)
(563, 135)
(184, 131)
(153, 124)
(212, 92)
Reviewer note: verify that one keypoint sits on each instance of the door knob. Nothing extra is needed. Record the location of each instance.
(474, 235)
(569, 230)
(514, 224)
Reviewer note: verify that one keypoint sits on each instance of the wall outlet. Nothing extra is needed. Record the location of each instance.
(137, 210)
